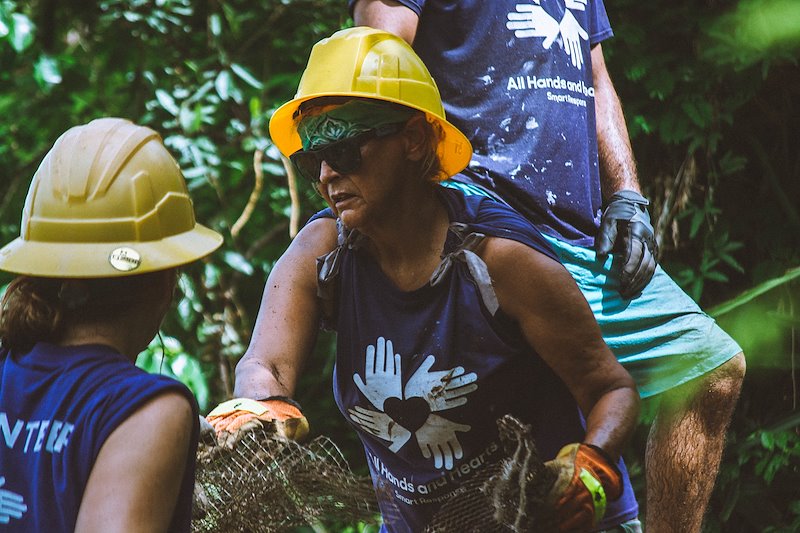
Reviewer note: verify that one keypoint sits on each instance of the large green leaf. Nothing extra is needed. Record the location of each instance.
(750, 294)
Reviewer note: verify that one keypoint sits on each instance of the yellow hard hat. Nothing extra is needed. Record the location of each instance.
(107, 200)
(364, 62)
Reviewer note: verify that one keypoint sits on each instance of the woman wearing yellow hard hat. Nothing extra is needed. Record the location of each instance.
(451, 311)
(93, 443)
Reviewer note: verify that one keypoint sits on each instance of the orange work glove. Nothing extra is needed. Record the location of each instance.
(232, 418)
(587, 479)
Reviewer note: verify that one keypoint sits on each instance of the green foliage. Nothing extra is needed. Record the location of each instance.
(756, 31)
(357, 528)
(749, 295)
(166, 356)
(15, 28)
(757, 486)
(778, 450)
(206, 76)
(710, 91)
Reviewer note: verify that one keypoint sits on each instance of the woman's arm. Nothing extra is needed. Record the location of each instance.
(288, 319)
(556, 320)
(136, 478)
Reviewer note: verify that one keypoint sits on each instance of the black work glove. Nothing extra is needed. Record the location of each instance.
(625, 229)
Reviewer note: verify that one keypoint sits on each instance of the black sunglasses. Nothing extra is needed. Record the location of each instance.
(342, 156)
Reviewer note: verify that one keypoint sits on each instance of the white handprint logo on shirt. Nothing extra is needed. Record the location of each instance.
(531, 20)
(381, 374)
(402, 413)
(437, 439)
(12, 505)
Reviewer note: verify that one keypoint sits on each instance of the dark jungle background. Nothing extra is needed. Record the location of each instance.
(711, 90)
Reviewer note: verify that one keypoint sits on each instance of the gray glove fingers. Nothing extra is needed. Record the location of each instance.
(634, 277)
(604, 242)
(618, 212)
(645, 272)
(631, 262)
(639, 262)
(625, 205)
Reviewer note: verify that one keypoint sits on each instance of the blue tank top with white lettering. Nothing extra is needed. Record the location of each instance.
(423, 376)
(516, 78)
(58, 405)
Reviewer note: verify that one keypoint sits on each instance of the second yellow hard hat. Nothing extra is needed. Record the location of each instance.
(368, 63)
(107, 200)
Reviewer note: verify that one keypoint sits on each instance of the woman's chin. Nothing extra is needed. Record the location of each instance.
(349, 219)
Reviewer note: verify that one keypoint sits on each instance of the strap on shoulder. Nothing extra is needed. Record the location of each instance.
(465, 252)
(328, 267)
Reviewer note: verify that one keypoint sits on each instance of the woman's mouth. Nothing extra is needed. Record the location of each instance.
(340, 199)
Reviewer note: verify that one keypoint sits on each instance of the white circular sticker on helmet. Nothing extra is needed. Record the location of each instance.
(125, 259)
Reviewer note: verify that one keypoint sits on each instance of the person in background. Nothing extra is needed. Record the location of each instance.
(90, 442)
(527, 82)
(440, 329)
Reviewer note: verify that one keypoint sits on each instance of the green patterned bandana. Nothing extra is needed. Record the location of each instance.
(334, 123)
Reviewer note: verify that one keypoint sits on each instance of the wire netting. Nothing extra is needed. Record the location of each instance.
(266, 483)
(507, 496)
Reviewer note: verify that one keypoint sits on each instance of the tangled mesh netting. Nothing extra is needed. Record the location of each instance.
(507, 496)
(266, 483)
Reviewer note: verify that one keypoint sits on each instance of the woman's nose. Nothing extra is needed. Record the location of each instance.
(326, 173)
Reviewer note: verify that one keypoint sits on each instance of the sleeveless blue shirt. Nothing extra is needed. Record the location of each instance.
(516, 78)
(58, 405)
(424, 375)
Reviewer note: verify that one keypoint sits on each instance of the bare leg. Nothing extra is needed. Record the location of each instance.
(685, 446)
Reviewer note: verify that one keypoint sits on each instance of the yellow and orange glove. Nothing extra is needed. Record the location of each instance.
(587, 479)
(235, 417)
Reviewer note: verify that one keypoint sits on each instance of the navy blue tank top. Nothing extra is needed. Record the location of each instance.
(424, 375)
(58, 405)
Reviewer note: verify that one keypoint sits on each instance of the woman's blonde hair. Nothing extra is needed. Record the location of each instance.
(430, 166)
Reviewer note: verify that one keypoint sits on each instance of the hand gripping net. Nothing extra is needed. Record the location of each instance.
(507, 496)
(266, 483)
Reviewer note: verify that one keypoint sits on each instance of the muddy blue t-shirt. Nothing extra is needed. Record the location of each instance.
(516, 78)
(58, 405)
(424, 375)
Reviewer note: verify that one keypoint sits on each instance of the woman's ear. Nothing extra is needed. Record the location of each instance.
(173, 278)
(166, 284)
(416, 136)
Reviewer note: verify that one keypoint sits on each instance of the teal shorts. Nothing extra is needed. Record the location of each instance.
(661, 337)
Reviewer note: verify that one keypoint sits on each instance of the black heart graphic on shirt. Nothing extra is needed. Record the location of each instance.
(411, 413)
